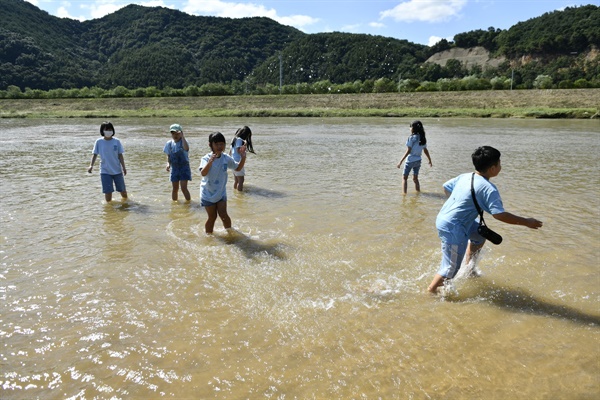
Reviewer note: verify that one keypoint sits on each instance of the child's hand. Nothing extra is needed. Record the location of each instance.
(168, 167)
(242, 151)
(533, 223)
(90, 169)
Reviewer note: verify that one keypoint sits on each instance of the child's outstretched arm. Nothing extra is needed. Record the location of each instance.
(403, 157)
(513, 219)
(168, 163)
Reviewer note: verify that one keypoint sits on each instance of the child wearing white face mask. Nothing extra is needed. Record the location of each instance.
(112, 163)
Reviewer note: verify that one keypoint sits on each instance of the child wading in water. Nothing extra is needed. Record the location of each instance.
(457, 220)
(416, 144)
(112, 163)
(178, 162)
(243, 137)
(213, 168)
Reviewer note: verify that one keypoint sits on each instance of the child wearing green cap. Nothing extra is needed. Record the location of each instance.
(178, 162)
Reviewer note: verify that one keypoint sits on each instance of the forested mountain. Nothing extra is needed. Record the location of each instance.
(133, 47)
(141, 47)
(343, 57)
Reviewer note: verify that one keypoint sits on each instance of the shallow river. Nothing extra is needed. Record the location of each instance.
(319, 291)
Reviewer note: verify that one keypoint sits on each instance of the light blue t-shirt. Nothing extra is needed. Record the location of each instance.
(415, 148)
(235, 153)
(213, 185)
(458, 213)
(109, 151)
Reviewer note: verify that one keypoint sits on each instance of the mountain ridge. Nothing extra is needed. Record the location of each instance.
(130, 47)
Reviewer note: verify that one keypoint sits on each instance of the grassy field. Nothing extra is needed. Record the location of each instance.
(572, 103)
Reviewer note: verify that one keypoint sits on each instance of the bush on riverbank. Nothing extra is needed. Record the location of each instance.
(382, 85)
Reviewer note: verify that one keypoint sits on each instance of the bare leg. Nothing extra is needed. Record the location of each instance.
(175, 190)
(212, 217)
(417, 184)
(404, 184)
(108, 197)
(185, 191)
(473, 252)
(222, 210)
(240, 183)
(437, 281)
(471, 258)
(235, 182)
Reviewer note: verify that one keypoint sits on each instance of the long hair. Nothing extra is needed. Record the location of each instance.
(245, 134)
(418, 128)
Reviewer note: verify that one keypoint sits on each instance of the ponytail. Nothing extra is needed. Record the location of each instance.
(418, 128)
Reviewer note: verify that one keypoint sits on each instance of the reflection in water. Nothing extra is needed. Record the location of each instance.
(318, 291)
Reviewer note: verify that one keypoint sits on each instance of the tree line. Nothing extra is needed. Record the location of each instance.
(237, 88)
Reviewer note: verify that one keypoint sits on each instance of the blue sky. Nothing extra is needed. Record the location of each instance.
(418, 21)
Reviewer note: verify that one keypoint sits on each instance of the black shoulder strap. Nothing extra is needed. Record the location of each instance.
(479, 210)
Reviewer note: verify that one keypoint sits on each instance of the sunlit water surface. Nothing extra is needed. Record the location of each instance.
(318, 292)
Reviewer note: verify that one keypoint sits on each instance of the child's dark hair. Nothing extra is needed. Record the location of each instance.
(417, 127)
(215, 137)
(106, 126)
(485, 157)
(245, 134)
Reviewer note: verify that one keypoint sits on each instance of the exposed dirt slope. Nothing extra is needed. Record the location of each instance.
(469, 57)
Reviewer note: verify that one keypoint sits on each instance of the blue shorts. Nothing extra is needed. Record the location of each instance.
(107, 183)
(414, 165)
(205, 203)
(453, 253)
(183, 173)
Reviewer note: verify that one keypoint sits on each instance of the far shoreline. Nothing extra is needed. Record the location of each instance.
(551, 103)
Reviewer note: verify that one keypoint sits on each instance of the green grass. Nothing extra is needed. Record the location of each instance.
(579, 103)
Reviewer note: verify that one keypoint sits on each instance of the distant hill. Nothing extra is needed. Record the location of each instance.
(141, 47)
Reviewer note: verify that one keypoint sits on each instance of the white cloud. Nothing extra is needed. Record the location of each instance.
(425, 10)
(434, 39)
(100, 8)
(221, 8)
(377, 25)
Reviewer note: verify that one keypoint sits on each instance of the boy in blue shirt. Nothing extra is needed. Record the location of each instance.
(457, 220)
